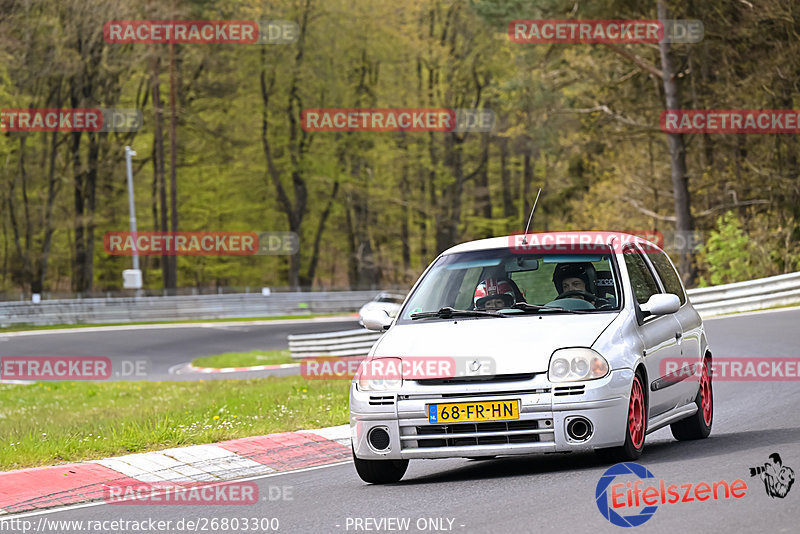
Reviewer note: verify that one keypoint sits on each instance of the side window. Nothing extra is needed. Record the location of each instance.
(644, 285)
(668, 276)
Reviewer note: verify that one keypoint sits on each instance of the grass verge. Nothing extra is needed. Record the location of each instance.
(245, 359)
(53, 422)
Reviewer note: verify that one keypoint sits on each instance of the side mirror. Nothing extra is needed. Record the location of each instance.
(661, 304)
(377, 320)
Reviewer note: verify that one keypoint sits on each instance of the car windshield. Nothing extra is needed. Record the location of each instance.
(506, 283)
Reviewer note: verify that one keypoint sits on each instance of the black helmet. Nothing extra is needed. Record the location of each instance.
(584, 270)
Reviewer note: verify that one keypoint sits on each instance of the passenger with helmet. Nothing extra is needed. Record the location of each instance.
(493, 294)
(576, 281)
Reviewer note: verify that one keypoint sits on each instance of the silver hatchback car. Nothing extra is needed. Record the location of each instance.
(546, 343)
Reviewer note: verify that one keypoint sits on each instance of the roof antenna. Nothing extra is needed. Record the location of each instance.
(525, 235)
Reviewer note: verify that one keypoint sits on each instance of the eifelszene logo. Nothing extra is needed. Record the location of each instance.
(624, 488)
(778, 478)
(607, 509)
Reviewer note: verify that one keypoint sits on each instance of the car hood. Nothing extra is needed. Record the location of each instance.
(512, 345)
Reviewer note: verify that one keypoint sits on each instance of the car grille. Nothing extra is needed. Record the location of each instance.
(493, 433)
(461, 393)
(479, 379)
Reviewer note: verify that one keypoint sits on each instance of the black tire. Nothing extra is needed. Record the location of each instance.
(629, 451)
(380, 471)
(476, 458)
(698, 426)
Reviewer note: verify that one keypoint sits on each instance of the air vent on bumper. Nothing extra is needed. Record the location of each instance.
(560, 391)
(381, 400)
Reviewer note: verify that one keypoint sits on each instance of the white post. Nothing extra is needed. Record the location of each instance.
(132, 279)
(131, 205)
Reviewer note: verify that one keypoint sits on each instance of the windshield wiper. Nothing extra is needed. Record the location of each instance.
(539, 307)
(448, 312)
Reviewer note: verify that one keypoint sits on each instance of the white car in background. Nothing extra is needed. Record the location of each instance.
(388, 302)
(557, 352)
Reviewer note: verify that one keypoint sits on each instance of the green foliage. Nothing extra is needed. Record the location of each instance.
(584, 118)
(728, 253)
(244, 359)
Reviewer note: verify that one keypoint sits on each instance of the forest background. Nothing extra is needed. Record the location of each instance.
(221, 148)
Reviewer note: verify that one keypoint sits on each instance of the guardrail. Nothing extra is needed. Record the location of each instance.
(780, 290)
(729, 298)
(345, 343)
(177, 308)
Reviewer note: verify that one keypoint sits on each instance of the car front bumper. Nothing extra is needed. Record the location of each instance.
(545, 411)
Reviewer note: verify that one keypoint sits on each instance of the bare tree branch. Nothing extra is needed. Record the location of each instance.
(648, 212)
(616, 116)
(703, 213)
(636, 60)
(732, 205)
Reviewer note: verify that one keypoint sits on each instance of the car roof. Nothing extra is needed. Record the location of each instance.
(510, 240)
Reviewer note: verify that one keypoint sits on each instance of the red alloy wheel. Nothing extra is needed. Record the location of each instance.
(636, 414)
(705, 395)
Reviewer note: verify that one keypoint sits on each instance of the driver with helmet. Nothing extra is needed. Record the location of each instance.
(492, 295)
(576, 281)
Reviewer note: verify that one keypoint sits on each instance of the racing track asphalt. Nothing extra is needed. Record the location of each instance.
(556, 493)
(168, 346)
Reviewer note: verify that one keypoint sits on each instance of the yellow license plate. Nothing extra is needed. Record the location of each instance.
(470, 412)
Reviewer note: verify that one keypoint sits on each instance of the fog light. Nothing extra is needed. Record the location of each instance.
(379, 439)
(579, 429)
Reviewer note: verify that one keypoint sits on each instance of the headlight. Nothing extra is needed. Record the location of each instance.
(380, 374)
(573, 365)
